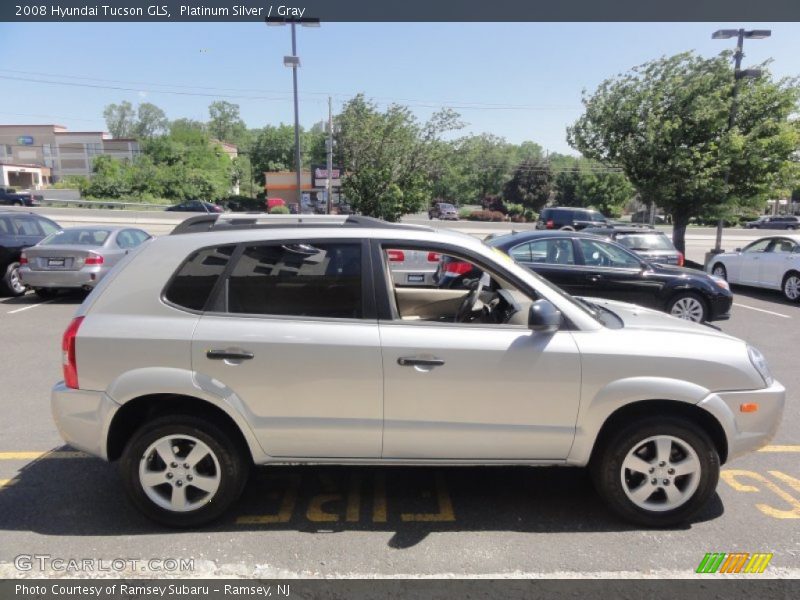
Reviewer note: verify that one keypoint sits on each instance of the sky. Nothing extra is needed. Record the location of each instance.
(520, 81)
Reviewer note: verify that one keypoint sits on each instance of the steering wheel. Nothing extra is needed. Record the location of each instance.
(469, 302)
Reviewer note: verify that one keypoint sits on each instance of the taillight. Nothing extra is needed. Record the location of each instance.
(550, 224)
(457, 267)
(23, 260)
(396, 255)
(680, 259)
(69, 365)
(434, 257)
(93, 259)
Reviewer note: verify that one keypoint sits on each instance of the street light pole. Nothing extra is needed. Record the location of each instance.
(297, 164)
(739, 34)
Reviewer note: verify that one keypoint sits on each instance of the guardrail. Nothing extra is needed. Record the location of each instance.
(44, 201)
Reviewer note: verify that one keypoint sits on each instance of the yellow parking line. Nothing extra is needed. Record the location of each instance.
(4, 483)
(795, 448)
(45, 454)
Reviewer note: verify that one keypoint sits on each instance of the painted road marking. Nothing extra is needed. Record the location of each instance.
(17, 310)
(46, 454)
(769, 312)
(795, 448)
(736, 477)
(4, 483)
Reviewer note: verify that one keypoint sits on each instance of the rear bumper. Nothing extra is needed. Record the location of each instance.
(83, 418)
(86, 277)
(746, 432)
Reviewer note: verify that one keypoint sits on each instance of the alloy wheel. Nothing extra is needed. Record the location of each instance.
(791, 287)
(688, 308)
(14, 282)
(719, 271)
(660, 473)
(179, 473)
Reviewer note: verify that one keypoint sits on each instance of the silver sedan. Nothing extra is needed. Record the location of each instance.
(76, 258)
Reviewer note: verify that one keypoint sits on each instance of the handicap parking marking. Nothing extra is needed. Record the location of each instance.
(29, 306)
(751, 482)
(769, 312)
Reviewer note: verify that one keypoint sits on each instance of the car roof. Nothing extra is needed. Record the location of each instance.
(795, 238)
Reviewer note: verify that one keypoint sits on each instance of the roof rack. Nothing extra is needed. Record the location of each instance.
(225, 221)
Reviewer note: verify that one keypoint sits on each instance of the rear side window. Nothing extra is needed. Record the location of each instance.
(298, 279)
(195, 279)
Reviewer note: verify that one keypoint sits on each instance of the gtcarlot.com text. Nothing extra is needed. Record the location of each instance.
(48, 562)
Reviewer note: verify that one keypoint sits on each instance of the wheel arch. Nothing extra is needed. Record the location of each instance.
(650, 408)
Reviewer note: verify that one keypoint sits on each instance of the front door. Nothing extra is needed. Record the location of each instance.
(750, 261)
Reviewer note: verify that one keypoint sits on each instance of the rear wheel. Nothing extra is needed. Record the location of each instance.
(720, 271)
(567, 228)
(183, 471)
(11, 285)
(658, 471)
(688, 306)
(791, 286)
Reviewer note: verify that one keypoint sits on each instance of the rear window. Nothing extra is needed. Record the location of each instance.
(195, 279)
(298, 279)
(645, 242)
(77, 237)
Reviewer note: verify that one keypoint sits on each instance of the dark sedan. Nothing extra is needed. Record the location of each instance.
(195, 206)
(789, 223)
(651, 244)
(588, 265)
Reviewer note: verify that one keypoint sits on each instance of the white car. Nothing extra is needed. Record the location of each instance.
(771, 262)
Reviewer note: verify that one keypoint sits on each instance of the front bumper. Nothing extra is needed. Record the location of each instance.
(720, 307)
(86, 277)
(746, 432)
(83, 418)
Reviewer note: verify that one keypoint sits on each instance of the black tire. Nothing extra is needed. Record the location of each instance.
(233, 469)
(693, 299)
(10, 285)
(607, 472)
(567, 228)
(46, 293)
(786, 288)
(16, 203)
(720, 270)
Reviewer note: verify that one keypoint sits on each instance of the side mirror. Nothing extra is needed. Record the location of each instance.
(737, 249)
(543, 316)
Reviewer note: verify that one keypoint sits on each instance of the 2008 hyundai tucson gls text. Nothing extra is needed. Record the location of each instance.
(262, 340)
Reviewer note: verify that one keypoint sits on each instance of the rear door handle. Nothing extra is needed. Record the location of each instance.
(411, 361)
(229, 355)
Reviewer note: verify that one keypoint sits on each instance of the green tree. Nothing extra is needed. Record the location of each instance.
(666, 124)
(151, 121)
(530, 184)
(388, 156)
(224, 123)
(120, 119)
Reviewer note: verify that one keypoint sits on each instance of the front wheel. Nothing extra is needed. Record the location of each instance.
(791, 286)
(658, 471)
(688, 306)
(182, 471)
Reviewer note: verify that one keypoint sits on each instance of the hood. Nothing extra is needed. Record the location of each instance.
(638, 317)
(677, 271)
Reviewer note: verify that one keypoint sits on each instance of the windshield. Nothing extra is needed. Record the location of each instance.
(77, 237)
(645, 242)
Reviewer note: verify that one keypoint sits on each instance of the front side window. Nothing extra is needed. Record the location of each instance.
(758, 246)
(48, 226)
(298, 280)
(603, 254)
(195, 279)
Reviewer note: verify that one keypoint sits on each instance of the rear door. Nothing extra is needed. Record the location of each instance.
(292, 338)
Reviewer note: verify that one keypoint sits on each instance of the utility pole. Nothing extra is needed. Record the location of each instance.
(297, 164)
(329, 184)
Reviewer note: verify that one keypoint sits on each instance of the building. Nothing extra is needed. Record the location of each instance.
(313, 185)
(57, 151)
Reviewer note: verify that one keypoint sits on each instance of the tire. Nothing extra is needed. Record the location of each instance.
(46, 293)
(637, 444)
(567, 228)
(221, 462)
(791, 286)
(689, 306)
(10, 284)
(720, 271)
(16, 203)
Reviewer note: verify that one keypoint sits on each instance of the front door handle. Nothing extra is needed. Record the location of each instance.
(229, 355)
(594, 277)
(411, 361)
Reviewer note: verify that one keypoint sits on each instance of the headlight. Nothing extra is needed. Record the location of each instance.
(760, 363)
(721, 282)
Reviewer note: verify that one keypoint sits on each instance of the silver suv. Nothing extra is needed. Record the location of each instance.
(262, 340)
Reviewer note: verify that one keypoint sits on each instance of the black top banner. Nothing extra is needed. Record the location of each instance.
(401, 10)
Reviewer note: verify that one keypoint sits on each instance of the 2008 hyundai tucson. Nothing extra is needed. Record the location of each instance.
(269, 340)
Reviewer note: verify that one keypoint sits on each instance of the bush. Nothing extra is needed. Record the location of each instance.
(486, 215)
(515, 209)
(279, 210)
(464, 213)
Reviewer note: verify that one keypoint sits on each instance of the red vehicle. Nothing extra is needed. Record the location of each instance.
(273, 202)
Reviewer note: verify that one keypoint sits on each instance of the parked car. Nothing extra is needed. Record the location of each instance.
(10, 197)
(76, 258)
(650, 244)
(643, 216)
(571, 219)
(19, 230)
(443, 210)
(196, 206)
(413, 267)
(771, 262)
(532, 376)
(775, 222)
(586, 265)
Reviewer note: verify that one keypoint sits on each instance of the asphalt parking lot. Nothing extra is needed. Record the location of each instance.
(347, 521)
